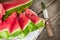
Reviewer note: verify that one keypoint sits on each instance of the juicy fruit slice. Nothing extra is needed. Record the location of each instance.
(25, 24)
(15, 5)
(23, 20)
(4, 31)
(2, 12)
(39, 22)
(10, 20)
(32, 15)
(15, 29)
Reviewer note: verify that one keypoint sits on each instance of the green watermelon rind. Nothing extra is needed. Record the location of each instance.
(28, 28)
(1, 36)
(25, 30)
(24, 33)
(20, 33)
(40, 24)
(19, 9)
(4, 34)
(31, 26)
(15, 33)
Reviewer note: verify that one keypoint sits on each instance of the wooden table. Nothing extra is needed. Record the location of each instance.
(54, 14)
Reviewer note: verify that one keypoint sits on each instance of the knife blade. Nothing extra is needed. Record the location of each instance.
(48, 24)
(45, 13)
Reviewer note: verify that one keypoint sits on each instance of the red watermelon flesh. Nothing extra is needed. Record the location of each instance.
(13, 3)
(2, 11)
(7, 23)
(14, 26)
(23, 20)
(15, 29)
(32, 15)
(0, 24)
(5, 29)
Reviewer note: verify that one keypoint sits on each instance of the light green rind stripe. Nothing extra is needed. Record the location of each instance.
(4, 34)
(31, 26)
(16, 33)
(18, 10)
(28, 29)
(22, 33)
(41, 24)
(1, 37)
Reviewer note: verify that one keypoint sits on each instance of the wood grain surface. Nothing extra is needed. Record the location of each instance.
(36, 6)
(54, 14)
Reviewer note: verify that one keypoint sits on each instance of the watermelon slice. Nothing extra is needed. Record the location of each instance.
(4, 30)
(15, 30)
(2, 12)
(39, 22)
(26, 25)
(15, 5)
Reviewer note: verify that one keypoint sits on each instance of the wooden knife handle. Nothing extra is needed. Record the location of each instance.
(49, 29)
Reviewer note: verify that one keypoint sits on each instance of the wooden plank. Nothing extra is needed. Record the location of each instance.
(54, 14)
(36, 6)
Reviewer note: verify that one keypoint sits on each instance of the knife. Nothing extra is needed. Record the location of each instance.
(48, 24)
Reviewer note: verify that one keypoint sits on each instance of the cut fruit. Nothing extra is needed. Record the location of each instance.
(4, 30)
(10, 20)
(39, 22)
(25, 24)
(15, 5)
(15, 29)
(2, 12)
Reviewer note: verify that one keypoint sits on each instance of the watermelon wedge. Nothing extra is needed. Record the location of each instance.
(4, 30)
(15, 5)
(15, 30)
(39, 22)
(26, 25)
(2, 12)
